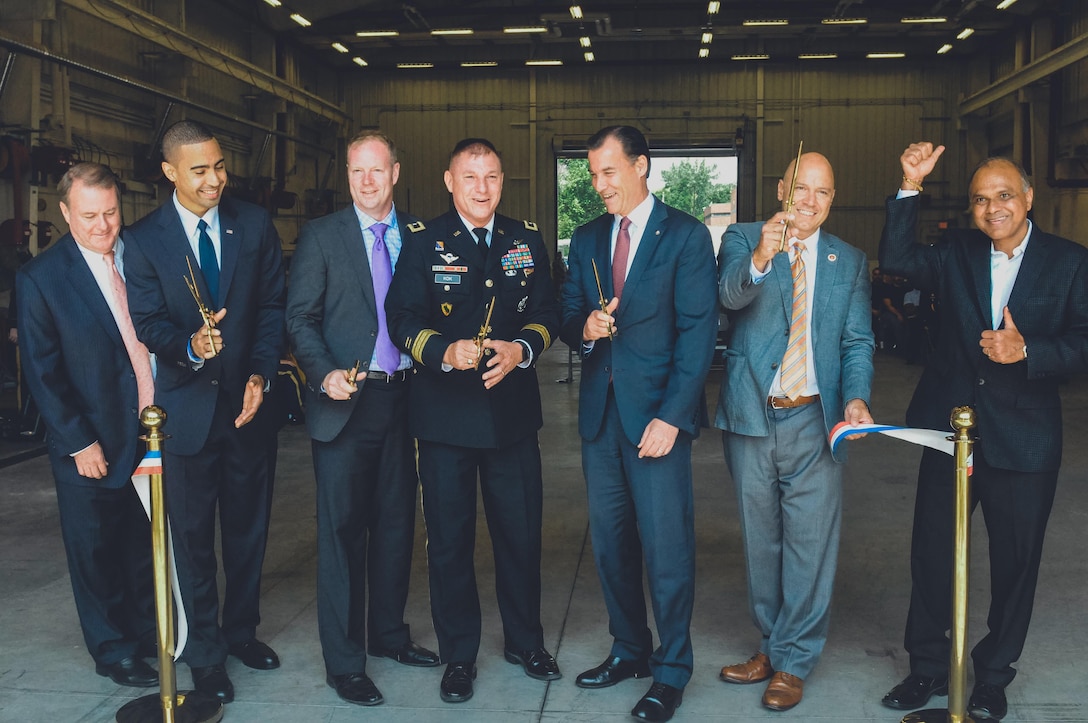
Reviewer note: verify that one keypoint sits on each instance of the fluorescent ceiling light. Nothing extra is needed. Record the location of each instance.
(753, 56)
(1005, 4)
(576, 12)
(529, 29)
(543, 62)
(411, 66)
(584, 41)
(817, 56)
(453, 31)
(301, 20)
(965, 33)
(480, 64)
(708, 38)
(377, 34)
(844, 21)
(756, 23)
(713, 7)
(704, 52)
(340, 47)
(923, 21)
(877, 56)
(944, 48)
(274, 3)
(359, 61)
(590, 57)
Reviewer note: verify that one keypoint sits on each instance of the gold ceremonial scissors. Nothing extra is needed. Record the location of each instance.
(789, 201)
(205, 313)
(600, 293)
(353, 372)
(485, 329)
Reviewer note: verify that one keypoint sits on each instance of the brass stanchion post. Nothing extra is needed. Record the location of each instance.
(963, 421)
(168, 706)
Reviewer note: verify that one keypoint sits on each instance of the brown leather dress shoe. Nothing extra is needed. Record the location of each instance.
(783, 692)
(757, 668)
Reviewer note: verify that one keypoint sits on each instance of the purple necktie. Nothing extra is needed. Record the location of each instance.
(381, 270)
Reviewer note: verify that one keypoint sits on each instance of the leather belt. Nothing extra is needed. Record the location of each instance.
(787, 403)
(378, 375)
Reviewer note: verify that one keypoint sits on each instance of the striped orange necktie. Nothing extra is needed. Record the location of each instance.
(795, 363)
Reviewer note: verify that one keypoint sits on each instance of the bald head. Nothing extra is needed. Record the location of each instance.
(812, 194)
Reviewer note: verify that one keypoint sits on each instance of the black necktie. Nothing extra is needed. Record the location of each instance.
(481, 241)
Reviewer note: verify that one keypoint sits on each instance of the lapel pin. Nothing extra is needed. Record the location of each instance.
(832, 257)
(230, 230)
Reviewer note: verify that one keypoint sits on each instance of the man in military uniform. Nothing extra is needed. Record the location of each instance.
(472, 302)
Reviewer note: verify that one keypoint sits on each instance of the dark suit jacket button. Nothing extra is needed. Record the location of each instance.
(608, 369)
(774, 365)
(215, 382)
(981, 382)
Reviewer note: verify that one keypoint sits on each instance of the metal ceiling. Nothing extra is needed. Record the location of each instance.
(622, 32)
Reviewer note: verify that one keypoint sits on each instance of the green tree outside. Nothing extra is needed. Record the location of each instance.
(691, 187)
(577, 201)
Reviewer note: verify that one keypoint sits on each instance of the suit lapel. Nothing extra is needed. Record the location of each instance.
(656, 225)
(175, 247)
(978, 257)
(231, 234)
(827, 268)
(352, 249)
(84, 283)
(1036, 261)
(602, 254)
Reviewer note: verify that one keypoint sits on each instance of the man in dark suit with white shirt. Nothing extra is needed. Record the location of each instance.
(645, 358)
(1014, 307)
(364, 457)
(212, 378)
(90, 378)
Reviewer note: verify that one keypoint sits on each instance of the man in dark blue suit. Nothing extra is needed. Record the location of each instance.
(364, 457)
(644, 363)
(799, 361)
(84, 380)
(1014, 319)
(211, 381)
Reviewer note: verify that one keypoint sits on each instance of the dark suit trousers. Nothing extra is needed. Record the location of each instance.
(512, 491)
(643, 509)
(231, 473)
(107, 539)
(366, 496)
(1016, 507)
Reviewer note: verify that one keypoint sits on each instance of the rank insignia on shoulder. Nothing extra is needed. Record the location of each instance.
(531, 226)
(447, 308)
(416, 227)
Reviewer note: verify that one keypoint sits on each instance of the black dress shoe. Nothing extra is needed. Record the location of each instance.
(612, 671)
(987, 702)
(255, 654)
(408, 654)
(457, 682)
(538, 663)
(356, 688)
(213, 680)
(915, 690)
(659, 703)
(129, 671)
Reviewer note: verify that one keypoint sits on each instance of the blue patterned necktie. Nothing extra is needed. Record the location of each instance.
(209, 265)
(381, 271)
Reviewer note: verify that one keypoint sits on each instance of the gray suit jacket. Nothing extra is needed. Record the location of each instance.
(842, 335)
(331, 313)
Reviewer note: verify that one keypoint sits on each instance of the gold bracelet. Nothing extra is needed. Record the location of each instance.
(911, 181)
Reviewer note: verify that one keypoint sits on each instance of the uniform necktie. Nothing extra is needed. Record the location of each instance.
(209, 265)
(481, 241)
(619, 257)
(137, 352)
(795, 363)
(381, 271)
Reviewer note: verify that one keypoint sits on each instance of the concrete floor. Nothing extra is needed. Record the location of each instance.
(46, 674)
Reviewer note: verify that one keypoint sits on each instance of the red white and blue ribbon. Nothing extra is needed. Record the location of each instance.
(932, 438)
(141, 480)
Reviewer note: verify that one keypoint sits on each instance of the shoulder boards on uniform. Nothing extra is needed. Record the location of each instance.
(416, 227)
(531, 226)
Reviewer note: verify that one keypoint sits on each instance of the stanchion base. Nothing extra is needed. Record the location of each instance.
(933, 715)
(191, 708)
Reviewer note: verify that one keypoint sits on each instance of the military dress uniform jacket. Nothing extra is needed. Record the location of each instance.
(439, 295)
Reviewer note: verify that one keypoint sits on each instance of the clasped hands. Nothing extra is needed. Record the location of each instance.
(464, 354)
